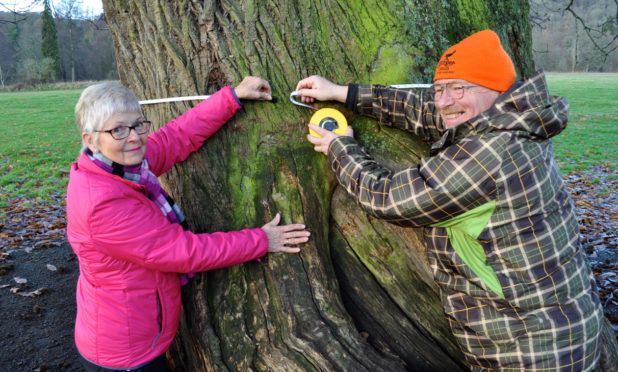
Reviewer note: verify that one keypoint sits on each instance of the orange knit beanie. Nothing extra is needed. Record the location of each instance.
(479, 59)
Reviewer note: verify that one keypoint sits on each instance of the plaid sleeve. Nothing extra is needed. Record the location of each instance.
(411, 110)
(460, 178)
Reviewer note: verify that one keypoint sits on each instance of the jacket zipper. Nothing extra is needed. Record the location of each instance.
(159, 319)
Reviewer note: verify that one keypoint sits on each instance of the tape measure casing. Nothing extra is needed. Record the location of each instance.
(329, 119)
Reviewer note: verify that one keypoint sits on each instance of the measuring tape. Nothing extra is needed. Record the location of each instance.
(294, 93)
(327, 118)
(173, 99)
(333, 120)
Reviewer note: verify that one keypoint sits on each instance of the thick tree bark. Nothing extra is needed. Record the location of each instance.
(359, 296)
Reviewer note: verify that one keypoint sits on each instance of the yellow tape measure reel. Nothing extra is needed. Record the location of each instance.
(329, 119)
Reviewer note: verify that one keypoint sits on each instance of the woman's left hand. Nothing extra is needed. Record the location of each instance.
(253, 87)
(279, 237)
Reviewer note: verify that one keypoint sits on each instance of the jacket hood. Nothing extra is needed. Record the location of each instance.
(526, 107)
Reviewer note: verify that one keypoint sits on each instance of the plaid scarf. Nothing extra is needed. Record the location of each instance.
(141, 175)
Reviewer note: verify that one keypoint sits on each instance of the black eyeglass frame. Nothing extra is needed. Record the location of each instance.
(145, 123)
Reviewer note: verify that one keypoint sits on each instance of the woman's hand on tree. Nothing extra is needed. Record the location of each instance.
(321, 144)
(281, 237)
(253, 87)
(316, 87)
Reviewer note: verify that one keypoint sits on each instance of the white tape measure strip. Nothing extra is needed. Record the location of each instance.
(173, 99)
(293, 94)
(410, 86)
(398, 86)
(297, 93)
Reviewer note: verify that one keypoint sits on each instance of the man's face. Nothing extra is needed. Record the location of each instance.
(455, 110)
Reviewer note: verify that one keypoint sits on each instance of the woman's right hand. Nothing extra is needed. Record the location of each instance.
(280, 236)
(316, 87)
(253, 87)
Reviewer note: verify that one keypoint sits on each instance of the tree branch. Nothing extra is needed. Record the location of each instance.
(19, 14)
(599, 32)
(12, 7)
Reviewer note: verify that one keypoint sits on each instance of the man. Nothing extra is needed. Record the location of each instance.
(503, 240)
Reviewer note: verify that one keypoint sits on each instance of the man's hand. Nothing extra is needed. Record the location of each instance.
(253, 87)
(322, 144)
(316, 87)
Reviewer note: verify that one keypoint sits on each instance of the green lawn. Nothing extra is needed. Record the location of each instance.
(591, 138)
(39, 140)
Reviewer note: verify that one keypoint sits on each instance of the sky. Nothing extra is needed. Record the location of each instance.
(94, 7)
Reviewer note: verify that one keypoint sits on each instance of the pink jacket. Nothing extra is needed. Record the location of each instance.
(128, 292)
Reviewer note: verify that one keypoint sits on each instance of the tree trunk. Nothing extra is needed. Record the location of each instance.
(360, 295)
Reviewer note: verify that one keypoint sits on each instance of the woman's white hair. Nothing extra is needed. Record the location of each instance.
(98, 103)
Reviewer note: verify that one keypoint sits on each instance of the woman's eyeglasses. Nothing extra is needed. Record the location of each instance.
(123, 131)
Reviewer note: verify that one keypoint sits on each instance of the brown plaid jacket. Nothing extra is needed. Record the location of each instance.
(550, 316)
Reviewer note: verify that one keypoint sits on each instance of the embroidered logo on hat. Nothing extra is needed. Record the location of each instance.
(445, 63)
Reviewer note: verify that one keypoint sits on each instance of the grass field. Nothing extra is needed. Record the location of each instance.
(39, 140)
(591, 138)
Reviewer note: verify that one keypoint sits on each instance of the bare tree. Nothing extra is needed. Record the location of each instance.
(565, 19)
(18, 7)
(608, 26)
(68, 11)
(18, 14)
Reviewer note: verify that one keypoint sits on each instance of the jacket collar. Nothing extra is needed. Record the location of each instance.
(526, 107)
(85, 164)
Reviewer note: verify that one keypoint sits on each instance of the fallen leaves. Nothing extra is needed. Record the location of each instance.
(5, 268)
(579, 203)
(596, 197)
(23, 284)
(39, 292)
(32, 225)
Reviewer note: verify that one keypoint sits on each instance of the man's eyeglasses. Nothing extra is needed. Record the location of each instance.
(122, 132)
(454, 90)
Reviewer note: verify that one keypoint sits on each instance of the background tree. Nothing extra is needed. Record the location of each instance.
(68, 11)
(84, 35)
(360, 295)
(95, 50)
(11, 15)
(28, 52)
(49, 41)
(572, 35)
(558, 27)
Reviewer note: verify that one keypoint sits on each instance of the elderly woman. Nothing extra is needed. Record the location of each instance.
(130, 237)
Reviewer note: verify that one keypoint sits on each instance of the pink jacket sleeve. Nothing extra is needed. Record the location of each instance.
(176, 140)
(127, 229)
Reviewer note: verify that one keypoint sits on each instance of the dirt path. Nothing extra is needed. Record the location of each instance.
(38, 274)
(37, 329)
